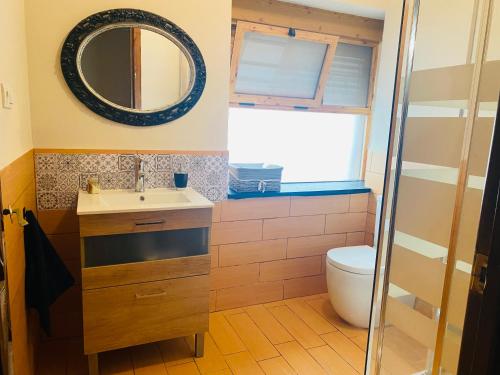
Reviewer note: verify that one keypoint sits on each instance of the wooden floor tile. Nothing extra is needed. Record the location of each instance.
(310, 316)
(324, 307)
(297, 328)
(184, 369)
(243, 364)
(147, 360)
(224, 336)
(221, 372)
(298, 336)
(276, 366)
(212, 360)
(116, 362)
(361, 341)
(299, 359)
(346, 349)
(274, 304)
(237, 310)
(331, 361)
(175, 352)
(268, 324)
(257, 344)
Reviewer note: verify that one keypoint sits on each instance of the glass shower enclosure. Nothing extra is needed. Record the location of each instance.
(443, 122)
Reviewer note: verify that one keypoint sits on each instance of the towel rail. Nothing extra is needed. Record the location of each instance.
(21, 217)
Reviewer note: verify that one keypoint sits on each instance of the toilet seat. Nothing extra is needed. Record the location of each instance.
(354, 259)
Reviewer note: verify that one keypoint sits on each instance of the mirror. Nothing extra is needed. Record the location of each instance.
(133, 67)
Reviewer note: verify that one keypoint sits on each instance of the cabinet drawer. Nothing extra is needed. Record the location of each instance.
(135, 314)
(136, 222)
(131, 273)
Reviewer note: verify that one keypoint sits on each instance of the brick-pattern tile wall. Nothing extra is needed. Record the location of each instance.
(268, 249)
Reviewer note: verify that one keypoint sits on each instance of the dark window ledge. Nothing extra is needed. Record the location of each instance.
(306, 189)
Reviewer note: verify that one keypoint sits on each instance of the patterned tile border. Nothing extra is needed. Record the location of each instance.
(59, 176)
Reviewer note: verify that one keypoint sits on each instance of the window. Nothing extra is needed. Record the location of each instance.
(301, 100)
(279, 66)
(310, 146)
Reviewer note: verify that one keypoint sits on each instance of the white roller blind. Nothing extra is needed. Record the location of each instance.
(279, 66)
(349, 79)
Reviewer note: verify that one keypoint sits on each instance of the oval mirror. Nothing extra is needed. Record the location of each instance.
(133, 67)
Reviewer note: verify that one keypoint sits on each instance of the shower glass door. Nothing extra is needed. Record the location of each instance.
(435, 186)
(476, 170)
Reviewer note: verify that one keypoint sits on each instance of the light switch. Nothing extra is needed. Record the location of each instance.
(7, 96)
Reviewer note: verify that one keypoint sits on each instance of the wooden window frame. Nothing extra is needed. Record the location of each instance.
(243, 27)
(289, 103)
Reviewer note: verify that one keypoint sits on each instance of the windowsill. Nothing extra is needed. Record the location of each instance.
(306, 189)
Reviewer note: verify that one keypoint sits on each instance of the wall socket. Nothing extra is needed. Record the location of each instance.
(7, 96)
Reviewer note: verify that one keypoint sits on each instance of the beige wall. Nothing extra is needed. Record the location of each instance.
(15, 129)
(382, 105)
(61, 121)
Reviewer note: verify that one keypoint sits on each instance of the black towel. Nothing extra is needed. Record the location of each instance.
(46, 275)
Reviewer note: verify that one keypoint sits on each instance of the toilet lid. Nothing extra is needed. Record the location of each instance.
(354, 259)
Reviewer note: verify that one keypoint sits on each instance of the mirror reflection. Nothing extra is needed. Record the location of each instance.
(135, 68)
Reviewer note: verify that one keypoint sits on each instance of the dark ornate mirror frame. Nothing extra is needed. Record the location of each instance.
(88, 26)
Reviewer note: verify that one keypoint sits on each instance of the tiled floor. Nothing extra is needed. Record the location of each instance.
(295, 336)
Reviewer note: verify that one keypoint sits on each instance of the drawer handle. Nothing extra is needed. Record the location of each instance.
(157, 222)
(151, 295)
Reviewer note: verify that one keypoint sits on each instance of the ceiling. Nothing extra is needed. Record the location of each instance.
(364, 8)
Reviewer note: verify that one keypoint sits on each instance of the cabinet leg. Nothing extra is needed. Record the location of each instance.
(93, 364)
(199, 344)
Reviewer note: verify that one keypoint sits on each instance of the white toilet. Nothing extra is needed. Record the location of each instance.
(349, 275)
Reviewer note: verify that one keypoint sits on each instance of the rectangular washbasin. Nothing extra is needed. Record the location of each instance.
(121, 201)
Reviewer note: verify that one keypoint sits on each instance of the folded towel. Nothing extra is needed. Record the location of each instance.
(46, 275)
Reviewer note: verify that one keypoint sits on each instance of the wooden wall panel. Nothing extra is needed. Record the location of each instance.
(272, 12)
(17, 185)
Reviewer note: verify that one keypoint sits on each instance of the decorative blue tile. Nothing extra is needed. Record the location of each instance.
(108, 162)
(68, 181)
(126, 162)
(68, 162)
(47, 201)
(164, 163)
(46, 162)
(60, 176)
(88, 163)
(46, 181)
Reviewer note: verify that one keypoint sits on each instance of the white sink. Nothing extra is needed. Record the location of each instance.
(120, 201)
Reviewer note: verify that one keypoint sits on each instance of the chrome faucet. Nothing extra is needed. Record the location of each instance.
(140, 186)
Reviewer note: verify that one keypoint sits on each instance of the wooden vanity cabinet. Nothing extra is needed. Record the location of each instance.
(145, 278)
